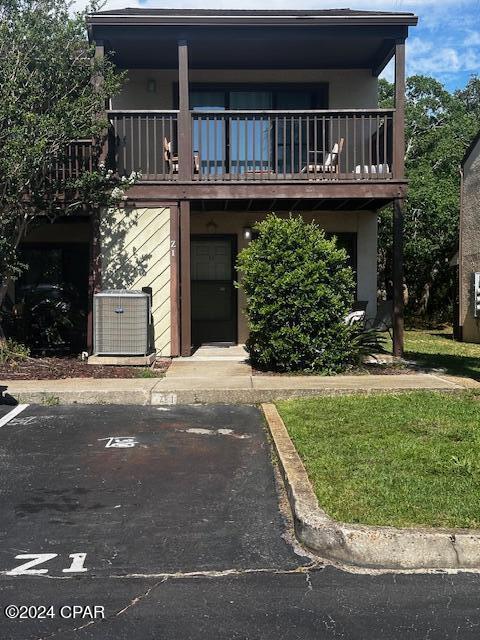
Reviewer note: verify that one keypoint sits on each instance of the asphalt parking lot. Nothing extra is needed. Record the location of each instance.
(167, 520)
(141, 490)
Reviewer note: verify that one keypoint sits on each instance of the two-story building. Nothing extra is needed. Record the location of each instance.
(229, 115)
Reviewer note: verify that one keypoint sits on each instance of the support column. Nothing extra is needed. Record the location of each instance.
(175, 280)
(399, 203)
(185, 157)
(398, 277)
(185, 300)
(399, 127)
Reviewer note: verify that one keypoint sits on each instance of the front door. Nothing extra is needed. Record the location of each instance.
(214, 300)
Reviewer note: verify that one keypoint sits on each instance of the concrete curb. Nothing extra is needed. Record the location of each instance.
(79, 391)
(379, 547)
(259, 396)
(81, 397)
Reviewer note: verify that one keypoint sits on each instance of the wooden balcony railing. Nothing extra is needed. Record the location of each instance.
(292, 145)
(137, 143)
(231, 146)
(78, 157)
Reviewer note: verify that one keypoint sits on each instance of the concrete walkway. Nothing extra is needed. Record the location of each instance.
(190, 381)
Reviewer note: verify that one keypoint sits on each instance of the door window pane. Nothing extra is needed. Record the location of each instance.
(250, 136)
(208, 132)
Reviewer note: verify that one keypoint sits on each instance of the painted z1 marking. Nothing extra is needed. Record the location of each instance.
(35, 559)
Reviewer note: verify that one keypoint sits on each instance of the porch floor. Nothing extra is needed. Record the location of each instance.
(217, 351)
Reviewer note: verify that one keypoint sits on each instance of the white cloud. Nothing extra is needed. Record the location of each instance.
(426, 57)
(472, 39)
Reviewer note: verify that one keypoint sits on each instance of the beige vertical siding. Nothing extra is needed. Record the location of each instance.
(135, 253)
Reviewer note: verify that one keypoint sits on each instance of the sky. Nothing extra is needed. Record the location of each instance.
(445, 44)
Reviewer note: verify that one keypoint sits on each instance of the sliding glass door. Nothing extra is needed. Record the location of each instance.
(252, 143)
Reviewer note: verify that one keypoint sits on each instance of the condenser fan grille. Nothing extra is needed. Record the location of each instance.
(121, 320)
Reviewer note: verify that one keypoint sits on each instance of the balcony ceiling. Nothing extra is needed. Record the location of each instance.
(343, 46)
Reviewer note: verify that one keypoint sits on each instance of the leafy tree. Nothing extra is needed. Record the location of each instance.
(439, 127)
(470, 96)
(299, 290)
(52, 91)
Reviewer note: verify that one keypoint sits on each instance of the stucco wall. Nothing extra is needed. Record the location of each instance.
(363, 223)
(348, 88)
(135, 253)
(469, 254)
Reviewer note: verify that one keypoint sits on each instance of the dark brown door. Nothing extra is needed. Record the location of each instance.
(214, 308)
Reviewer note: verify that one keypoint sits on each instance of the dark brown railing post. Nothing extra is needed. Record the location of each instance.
(185, 158)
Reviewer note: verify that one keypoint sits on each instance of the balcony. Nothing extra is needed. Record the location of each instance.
(79, 156)
(255, 146)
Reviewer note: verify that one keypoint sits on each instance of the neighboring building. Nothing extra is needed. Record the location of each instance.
(230, 115)
(469, 245)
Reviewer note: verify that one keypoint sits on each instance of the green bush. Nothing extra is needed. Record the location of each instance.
(299, 289)
(12, 352)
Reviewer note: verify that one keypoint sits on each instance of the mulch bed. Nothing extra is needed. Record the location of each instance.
(72, 367)
(370, 369)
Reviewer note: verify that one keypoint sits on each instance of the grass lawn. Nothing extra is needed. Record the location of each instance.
(400, 460)
(437, 349)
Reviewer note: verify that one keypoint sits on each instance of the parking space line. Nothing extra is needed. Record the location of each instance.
(11, 414)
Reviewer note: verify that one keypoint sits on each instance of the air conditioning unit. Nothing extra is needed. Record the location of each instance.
(121, 323)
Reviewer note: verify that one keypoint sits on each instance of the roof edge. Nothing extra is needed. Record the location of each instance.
(301, 19)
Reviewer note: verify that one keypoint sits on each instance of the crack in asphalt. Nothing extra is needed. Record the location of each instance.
(140, 597)
(131, 604)
(305, 570)
(178, 575)
(318, 565)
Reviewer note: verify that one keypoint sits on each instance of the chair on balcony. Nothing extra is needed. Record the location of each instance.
(171, 159)
(331, 162)
(358, 313)
(354, 317)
